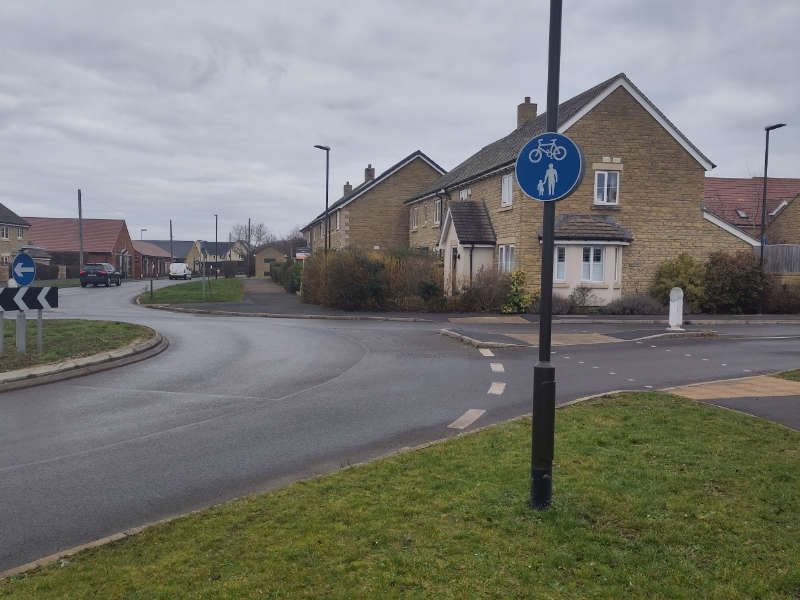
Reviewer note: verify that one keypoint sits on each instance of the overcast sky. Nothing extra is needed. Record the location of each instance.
(160, 110)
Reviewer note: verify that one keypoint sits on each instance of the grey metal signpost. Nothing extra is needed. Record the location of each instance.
(27, 298)
(550, 167)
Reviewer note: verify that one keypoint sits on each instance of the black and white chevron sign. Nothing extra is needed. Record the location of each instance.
(28, 298)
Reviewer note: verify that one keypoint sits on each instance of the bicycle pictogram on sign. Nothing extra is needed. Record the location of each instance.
(549, 149)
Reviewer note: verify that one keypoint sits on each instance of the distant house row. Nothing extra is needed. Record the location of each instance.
(644, 199)
(56, 242)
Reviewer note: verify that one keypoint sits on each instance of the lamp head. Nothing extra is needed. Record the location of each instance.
(326, 148)
(776, 126)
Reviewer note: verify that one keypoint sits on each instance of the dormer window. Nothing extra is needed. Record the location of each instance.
(741, 213)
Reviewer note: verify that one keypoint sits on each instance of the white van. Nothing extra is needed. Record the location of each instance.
(180, 271)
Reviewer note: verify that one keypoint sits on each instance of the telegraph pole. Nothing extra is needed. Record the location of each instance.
(171, 251)
(80, 231)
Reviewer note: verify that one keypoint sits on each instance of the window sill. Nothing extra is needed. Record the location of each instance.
(594, 285)
(598, 206)
(505, 208)
(560, 284)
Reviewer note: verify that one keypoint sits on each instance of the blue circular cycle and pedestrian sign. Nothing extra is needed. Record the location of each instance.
(550, 167)
(23, 270)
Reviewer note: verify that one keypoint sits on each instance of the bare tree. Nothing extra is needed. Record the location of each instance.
(257, 235)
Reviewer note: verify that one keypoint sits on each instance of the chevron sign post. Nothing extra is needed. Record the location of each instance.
(27, 298)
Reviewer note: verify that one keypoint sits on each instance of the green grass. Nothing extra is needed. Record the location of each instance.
(57, 283)
(790, 375)
(655, 497)
(66, 339)
(217, 290)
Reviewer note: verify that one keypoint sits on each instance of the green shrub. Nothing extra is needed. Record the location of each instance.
(517, 299)
(733, 283)
(683, 272)
(487, 292)
(637, 304)
(429, 290)
(782, 298)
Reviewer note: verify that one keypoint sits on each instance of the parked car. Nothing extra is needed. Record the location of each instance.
(180, 271)
(99, 273)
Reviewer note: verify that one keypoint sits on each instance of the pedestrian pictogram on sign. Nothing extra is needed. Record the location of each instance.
(550, 167)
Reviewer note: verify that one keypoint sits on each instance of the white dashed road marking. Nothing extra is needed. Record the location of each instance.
(497, 367)
(724, 364)
(649, 387)
(497, 388)
(629, 379)
(467, 419)
(486, 352)
(611, 373)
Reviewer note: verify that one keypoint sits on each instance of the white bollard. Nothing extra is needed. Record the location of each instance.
(676, 309)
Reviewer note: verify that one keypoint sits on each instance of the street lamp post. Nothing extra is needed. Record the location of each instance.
(767, 129)
(327, 216)
(216, 240)
(141, 237)
(141, 233)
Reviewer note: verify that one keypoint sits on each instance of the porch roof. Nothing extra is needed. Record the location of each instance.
(601, 228)
(472, 223)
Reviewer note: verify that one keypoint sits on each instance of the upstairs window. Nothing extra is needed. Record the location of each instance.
(4, 231)
(414, 217)
(592, 265)
(606, 187)
(437, 211)
(505, 258)
(464, 194)
(337, 219)
(19, 233)
(506, 191)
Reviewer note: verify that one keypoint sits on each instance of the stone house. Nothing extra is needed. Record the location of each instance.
(104, 240)
(264, 256)
(13, 234)
(738, 200)
(640, 201)
(371, 216)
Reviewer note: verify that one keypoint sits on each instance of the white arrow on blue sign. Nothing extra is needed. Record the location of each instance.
(23, 269)
(550, 167)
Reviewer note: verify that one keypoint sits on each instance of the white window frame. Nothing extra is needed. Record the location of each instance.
(604, 187)
(337, 219)
(4, 231)
(506, 258)
(437, 211)
(592, 264)
(6, 259)
(617, 263)
(20, 233)
(464, 194)
(414, 217)
(558, 252)
(425, 212)
(506, 191)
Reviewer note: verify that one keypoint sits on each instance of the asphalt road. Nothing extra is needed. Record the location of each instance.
(237, 405)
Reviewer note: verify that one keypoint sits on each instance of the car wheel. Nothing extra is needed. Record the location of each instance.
(108, 282)
(119, 282)
(83, 284)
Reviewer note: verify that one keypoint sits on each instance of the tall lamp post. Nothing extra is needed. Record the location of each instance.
(767, 129)
(216, 241)
(141, 233)
(327, 173)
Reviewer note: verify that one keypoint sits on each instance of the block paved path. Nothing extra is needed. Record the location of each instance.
(771, 398)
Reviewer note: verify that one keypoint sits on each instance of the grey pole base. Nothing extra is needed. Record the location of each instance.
(541, 488)
(21, 333)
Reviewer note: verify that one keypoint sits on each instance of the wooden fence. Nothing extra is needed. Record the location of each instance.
(781, 258)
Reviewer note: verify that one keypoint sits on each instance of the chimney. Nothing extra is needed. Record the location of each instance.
(525, 112)
(347, 188)
(369, 173)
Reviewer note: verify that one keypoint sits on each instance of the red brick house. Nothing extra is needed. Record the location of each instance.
(150, 260)
(104, 240)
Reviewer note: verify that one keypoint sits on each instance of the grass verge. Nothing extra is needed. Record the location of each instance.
(793, 375)
(67, 339)
(217, 290)
(655, 497)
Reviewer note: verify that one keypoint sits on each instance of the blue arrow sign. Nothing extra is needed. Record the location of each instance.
(550, 167)
(23, 269)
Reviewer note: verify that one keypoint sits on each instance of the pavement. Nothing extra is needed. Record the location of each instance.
(238, 405)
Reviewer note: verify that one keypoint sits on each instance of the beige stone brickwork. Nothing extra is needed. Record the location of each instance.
(785, 229)
(264, 258)
(378, 218)
(15, 236)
